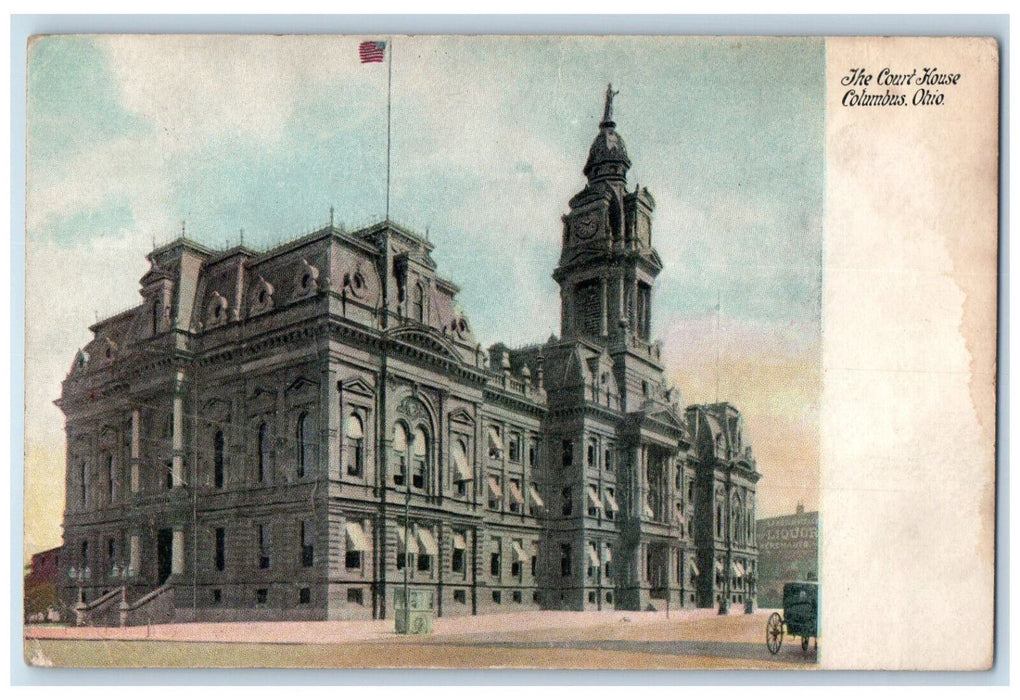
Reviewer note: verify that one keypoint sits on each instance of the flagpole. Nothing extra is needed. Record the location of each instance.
(389, 102)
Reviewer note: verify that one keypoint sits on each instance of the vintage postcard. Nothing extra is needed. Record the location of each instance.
(508, 351)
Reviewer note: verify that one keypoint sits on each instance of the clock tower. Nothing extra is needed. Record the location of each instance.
(607, 267)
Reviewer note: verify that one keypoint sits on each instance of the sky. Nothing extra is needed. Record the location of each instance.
(131, 138)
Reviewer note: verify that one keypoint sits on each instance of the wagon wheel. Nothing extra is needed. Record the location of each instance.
(774, 633)
(804, 643)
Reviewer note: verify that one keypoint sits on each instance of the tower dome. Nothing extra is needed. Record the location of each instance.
(607, 158)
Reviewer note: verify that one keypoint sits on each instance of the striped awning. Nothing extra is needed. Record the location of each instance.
(515, 493)
(593, 498)
(356, 540)
(427, 541)
(410, 548)
(736, 568)
(611, 503)
(647, 510)
(694, 568)
(495, 443)
(593, 556)
(719, 567)
(353, 428)
(535, 498)
(494, 488)
(519, 554)
(459, 542)
(460, 464)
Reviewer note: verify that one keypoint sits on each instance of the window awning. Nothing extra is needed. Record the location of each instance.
(353, 428)
(494, 488)
(515, 493)
(399, 438)
(737, 569)
(519, 554)
(410, 548)
(459, 542)
(611, 503)
(495, 443)
(356, 540)
(647, 510)
(593, 498)
(593, 556)
(608, 555)
(719, 567)
(694, 568)
(460, 465)
(427, 541)
(535, 498)
(420, 445)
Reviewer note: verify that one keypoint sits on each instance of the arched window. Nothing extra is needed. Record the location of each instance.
(305, 439)
(418, 301)
(218, 459)
(263, 451)
(399, 453)
(355, 433)
(421, 451)
(718, 519)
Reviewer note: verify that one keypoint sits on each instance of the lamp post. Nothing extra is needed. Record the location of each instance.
(80, 577)
(124, 574)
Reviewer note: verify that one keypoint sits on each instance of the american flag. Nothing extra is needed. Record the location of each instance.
(372, 51)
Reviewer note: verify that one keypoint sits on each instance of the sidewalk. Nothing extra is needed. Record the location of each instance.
(332, 632)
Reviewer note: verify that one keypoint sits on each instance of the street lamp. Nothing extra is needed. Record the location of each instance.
(124, 574)
(80, 577)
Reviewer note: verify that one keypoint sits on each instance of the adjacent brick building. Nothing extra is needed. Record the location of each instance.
(788, 551)
(290, 433)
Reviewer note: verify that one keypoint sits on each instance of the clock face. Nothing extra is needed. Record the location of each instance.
(586, 226)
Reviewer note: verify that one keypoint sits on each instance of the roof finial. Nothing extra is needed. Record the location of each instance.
(242, 238)
(607, 115)
(331, 216)
(182, 228)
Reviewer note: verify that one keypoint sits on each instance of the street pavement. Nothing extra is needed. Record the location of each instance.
(584, 640)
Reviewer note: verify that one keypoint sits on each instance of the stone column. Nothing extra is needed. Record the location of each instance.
(135, 450)
(177, 469)
(135, 555)
(177, 552)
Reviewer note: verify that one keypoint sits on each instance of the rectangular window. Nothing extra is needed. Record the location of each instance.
(514, 447)
(304, 596)
(516, 595)
(307, 544)
(495, 493)
(592, 451)
(565, 560)
(568, 453)
(534, 566)
(458, 561)
(263, 537)
(515, 569)
(217, 595)
(532, 454)
(355, 596)
(424, 562)
(111, 550)
(352, 560)
(494, 564)
(221, 549)
(497, 597)
(261, 596)
(401, 558)
(418, 480)
(568, 501)
(608, 459)
(460, 596)
(516, 496)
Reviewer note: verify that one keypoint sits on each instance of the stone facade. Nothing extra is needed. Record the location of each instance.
(274, 435)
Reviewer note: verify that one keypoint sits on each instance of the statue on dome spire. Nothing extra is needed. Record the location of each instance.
(607, 115)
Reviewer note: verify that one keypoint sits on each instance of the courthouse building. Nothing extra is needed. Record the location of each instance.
(293, 433)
